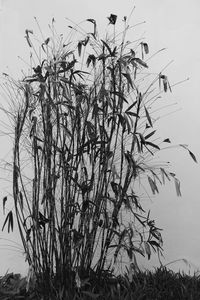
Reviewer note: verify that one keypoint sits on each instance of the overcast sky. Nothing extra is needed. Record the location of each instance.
(170, 24)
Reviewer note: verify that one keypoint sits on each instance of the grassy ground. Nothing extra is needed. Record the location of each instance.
(159, 285)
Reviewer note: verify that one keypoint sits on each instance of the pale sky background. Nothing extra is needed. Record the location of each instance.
(174, 24)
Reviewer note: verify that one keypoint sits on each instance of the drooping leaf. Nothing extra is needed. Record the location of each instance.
(21, 196)
(4, 203)
(153, 185)
(140, 62)
(123, 121)
(154, 244)
(193, 156)
(79, 48)
(137, 142)
(165, 85)
(164, 174)
(169, 86)
(142, 139)
(177, 186)
(28, 41)
(147, 249)
(145, 47)
(112, 19)
(91, 58)
(108, 48)
(9, 220)
(165, 82)
(148, 117)
(127, 124)
(156, 176)
(128, 77)
(11, 223)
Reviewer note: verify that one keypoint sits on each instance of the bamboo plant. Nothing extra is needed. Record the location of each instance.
(83, 139)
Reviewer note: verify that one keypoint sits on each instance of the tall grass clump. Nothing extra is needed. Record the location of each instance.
(84, 140)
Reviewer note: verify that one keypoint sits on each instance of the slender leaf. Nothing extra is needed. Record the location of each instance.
(108, 48)
(9, 220)
(164, 174)
(152, 145)
(141, 62)
(146, 48)
(120, 95)
(156, 176)
(154, 244)
(148, 117)
(147, 249)
(130, 113)
(79, 48)
(193, 156)
(91, 58)
(149, 135)
(4, 203)
(131, 106)
(177, 186)
(21, 196)
(128, 77)
(153, 185)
